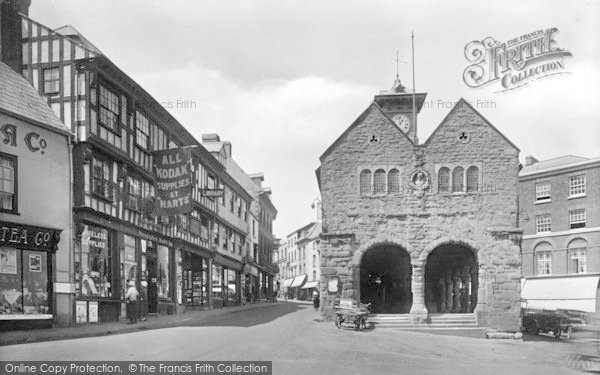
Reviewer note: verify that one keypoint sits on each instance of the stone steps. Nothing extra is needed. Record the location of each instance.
(435, 321)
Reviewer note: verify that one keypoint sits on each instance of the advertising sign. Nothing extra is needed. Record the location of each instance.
(174, 181)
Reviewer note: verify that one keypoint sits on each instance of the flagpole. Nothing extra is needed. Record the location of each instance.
(414, 109)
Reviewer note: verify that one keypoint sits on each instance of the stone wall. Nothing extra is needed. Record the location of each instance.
(484, 220)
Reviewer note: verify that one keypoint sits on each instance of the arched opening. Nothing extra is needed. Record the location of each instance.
(385, 279)
(451, 279)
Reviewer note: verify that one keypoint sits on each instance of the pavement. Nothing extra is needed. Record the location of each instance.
(121, 326)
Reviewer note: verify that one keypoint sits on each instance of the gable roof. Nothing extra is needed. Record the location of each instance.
(71, 33)
(18, 98)
(358, 121)
(463, 102)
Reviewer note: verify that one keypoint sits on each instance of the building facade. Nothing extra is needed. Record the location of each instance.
(560, 216)
(35, 209)
(299, 262)
(189, 261)
(426, 228)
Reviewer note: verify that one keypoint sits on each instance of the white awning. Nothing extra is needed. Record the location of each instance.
(310, 284)
(569, 292)
(287, 282)
(298, 281)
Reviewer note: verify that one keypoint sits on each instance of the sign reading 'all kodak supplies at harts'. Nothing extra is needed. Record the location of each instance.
(174, 181)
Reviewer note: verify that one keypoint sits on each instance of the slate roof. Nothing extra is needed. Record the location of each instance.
(19, 98)
(562, 161)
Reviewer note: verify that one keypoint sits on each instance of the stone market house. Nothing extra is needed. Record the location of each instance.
(422, 229)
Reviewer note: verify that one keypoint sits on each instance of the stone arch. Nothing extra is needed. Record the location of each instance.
(435, 244)
(380, 240)
(540, 240)
(451, 276)
(383, 276)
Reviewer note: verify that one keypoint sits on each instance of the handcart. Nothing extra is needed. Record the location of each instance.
(351, 312)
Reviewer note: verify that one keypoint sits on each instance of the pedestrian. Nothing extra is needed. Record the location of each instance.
(144, 300)
(131, 301)
(316, 301)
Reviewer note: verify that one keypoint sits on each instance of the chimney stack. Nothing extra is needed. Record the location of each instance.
(10, 32)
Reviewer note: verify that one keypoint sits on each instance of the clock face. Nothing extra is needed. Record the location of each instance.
(402, 122)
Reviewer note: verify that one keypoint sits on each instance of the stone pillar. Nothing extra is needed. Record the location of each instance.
(418, 311)
(456, 289)
(449, 297)
(209, 277)
(466, 280)
(442, 291)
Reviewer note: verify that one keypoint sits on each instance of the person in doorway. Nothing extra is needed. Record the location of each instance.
(143, 300)
(316, 300)
(131, 301)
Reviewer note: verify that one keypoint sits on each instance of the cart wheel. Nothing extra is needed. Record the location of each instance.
(338, 322)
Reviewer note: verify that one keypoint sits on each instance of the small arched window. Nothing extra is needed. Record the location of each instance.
(457, 179)
(578, 255)
(379, 181)
(473, 179)
(444, 180)
(393, 181)
(365, 182)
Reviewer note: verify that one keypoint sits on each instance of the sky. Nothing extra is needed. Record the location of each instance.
(282, 80)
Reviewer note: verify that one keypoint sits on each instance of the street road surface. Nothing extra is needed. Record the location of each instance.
(292, 336)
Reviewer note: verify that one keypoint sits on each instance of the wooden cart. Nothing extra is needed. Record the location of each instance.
(351, 312)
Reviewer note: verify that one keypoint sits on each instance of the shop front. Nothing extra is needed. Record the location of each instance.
(26, 259)
(226, 283)
(194, 270)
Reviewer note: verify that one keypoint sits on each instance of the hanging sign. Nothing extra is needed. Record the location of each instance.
(174, 181)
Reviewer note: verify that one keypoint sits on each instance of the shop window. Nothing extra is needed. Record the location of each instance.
(365, 182)
(129, 265)
(163, 271)
(93, 263)
(457, 179)
(444, 180)
(23, 282)
(109, 109)
(577, 186)
(472, 179)
(577, 218)
(542, 191)
(51, 81)
(8, 183)
(232, 287)
(102, 179)
(217, 284)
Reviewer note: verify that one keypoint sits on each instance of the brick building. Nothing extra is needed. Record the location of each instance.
(422, 229)
(559, 204)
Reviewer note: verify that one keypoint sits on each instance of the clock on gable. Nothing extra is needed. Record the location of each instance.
(402, 122)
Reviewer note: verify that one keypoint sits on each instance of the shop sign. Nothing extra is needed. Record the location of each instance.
(81, 312)
(34, 141)
(212, 193)
(174, 181)
(28, 237)
(95, 238)
(93, 311)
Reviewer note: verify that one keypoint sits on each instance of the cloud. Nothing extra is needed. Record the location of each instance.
(278, 127)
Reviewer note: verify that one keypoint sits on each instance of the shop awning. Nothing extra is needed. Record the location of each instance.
(569, 292)
(310, 284)
(287, 282)
(298, 281)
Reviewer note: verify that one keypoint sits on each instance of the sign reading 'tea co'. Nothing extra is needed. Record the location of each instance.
(174, 181)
